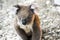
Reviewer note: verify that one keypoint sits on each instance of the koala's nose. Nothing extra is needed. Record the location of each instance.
(23, 22)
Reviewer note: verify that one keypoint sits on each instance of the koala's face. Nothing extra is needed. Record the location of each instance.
(24, 14)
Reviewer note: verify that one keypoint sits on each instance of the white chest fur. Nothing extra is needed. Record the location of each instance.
(27, 28)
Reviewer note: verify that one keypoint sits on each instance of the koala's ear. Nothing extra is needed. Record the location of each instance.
(18, 8)
(35, 8)
(32, 10)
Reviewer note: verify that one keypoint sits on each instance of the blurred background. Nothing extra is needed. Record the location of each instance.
(49, 16)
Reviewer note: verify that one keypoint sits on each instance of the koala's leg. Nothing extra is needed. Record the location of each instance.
(21, 33)
(37, 32)
(36, 35)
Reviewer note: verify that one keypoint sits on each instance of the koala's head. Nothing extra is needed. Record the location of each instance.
(24, 13)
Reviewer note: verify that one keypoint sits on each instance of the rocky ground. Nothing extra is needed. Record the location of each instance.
(49, 17)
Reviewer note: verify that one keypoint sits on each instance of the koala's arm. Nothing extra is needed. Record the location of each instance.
(20, 31)
(37, 32)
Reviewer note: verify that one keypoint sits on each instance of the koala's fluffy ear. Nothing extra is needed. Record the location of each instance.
(18, 8)
(35, 7)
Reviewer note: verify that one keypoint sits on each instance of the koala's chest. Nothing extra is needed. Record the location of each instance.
(27, 28)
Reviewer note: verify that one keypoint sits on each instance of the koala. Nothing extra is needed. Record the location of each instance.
(27, 23)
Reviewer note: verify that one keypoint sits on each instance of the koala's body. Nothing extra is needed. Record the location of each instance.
(27, 23)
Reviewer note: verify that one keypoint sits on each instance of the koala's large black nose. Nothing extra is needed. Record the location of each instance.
(24, 22)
